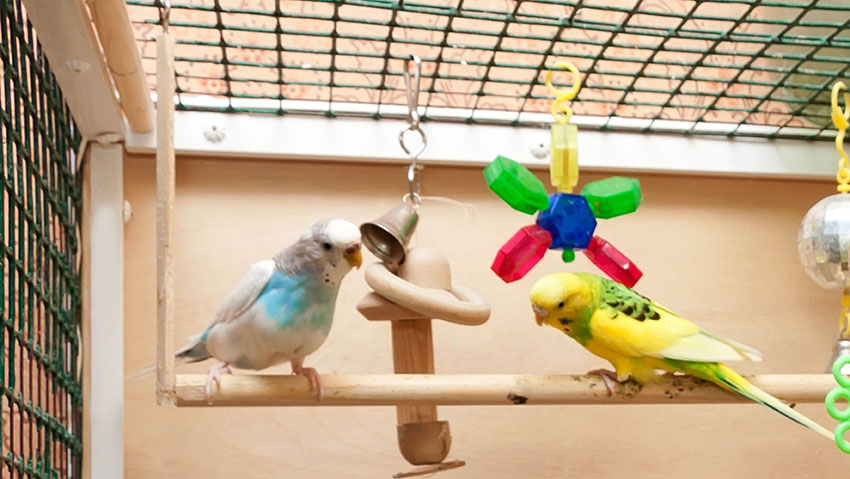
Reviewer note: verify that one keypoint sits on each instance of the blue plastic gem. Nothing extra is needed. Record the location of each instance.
(569, 220)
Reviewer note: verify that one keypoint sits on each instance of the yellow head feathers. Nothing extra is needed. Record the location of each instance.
(559, 296)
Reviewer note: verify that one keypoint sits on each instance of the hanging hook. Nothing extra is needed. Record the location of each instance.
(559, 110)
(840, 118)
(166, 14)
(411, 90)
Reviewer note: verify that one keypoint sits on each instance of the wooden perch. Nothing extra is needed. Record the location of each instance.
(483, 389)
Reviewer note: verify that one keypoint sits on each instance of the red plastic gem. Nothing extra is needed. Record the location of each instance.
(615, 264)
(516, 257)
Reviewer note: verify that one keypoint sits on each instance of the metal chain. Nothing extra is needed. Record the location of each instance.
(411, 91)
(165, 15)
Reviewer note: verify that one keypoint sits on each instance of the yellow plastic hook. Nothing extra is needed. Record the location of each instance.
(560, 111)
(840, 119)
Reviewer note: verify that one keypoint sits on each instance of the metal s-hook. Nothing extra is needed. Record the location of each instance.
(165, 15)
(411, 91)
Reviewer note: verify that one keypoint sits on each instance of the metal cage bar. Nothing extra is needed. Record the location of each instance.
(730, 67)
(40, 390)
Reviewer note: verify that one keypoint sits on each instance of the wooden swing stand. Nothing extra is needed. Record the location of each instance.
(414, 385)
(420, 292)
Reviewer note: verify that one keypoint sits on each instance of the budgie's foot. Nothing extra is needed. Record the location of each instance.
(608, 377)
(312, 377)
(215, 376)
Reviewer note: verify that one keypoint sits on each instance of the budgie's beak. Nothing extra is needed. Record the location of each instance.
(353, 255)
(540, 314)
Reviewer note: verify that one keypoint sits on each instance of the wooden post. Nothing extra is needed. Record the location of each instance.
(124, 61)
(103, 311)
(413, 353)
(164, 208)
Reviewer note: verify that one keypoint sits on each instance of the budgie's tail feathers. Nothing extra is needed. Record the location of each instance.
(195, 350)
(733, 381)
(137, 376)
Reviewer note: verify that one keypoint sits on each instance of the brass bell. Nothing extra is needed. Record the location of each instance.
(387, 236)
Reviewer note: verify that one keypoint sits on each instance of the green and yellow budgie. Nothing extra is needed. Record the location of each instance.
(640, 337)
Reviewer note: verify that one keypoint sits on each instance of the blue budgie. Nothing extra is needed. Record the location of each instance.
(282, 308)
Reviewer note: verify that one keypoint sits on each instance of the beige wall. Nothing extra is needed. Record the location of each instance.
(718, 251)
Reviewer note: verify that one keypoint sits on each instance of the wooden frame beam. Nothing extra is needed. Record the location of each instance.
(165, 184)
(293, 137)
(124, 61)
(69, 41)
(483, 390)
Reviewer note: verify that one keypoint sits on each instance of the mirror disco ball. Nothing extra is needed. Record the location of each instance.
(823, 242)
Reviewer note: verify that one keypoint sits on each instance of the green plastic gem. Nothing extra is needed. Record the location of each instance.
(568, 256)
(613, 196)
(517, 186)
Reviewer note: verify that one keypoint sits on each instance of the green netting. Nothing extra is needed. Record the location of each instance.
(734, 67)
(40, 395)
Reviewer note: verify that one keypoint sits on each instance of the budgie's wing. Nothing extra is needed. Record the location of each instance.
(245, 293)
(235, 303)
(633, 325)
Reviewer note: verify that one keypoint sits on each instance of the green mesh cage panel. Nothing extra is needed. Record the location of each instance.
(40, 395)
(731, 67)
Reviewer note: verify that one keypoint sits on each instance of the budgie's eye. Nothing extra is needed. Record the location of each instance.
(327, 246)
(561, 304)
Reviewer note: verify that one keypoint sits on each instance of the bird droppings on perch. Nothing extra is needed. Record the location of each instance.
(516, 399)
(484, 389)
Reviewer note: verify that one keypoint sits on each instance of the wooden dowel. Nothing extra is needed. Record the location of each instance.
(413, 353)
(483, 389)
(124, 62)
(164, 208)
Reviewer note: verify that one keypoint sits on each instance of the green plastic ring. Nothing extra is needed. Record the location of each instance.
(839, 437)
(839, 363)
(830, 404)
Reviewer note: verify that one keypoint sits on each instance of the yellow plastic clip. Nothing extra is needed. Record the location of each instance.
(844, 319)
(840, 118)
(563, 168)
